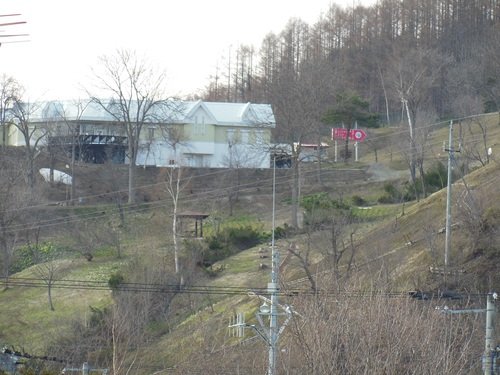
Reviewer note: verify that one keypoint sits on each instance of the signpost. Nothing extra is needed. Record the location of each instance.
(356, 135)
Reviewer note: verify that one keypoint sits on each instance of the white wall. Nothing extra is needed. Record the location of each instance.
(204, 154)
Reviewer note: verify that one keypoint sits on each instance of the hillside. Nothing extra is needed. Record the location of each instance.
(394, 247)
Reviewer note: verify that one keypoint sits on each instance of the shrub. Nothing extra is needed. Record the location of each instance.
(358, 201)
(231, 240)
(392, 194)
(27, 256)
(321, 201)
(436, 178)
(244, 237)
(491, 219)
(282, 232)
(320, 207)
(115, 280)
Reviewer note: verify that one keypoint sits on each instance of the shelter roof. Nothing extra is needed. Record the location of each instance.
(193, 215)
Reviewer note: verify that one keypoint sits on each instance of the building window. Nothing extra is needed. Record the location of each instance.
(199, 129)
(231, 136)
(259, 137)
(151, 133)
(244, 136)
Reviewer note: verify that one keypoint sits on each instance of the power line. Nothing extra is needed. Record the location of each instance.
(140, 207)
(134, 209)
(200, 289)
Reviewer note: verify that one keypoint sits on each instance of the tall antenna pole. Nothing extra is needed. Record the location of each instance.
(273, 289)
(270, 306)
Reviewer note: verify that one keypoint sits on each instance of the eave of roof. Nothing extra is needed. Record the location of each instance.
(181, 112)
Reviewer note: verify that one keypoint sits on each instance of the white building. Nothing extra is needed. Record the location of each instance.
(188, 133)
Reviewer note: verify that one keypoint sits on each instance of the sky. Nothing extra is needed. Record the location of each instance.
(187, 39)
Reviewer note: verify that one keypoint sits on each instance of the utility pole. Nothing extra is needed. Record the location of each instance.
(270, 307)
(450, 151)
(491, 350)
(273, 289)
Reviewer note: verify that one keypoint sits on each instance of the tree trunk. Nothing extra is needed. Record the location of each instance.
(131, 181)
(385, 97)
(174, 235)
(31, 167)
(422, 179)
(49, 293)
(73, 179)
(295, 189)
(174, 192)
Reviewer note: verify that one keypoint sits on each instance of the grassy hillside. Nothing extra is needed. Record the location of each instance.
(394, 248)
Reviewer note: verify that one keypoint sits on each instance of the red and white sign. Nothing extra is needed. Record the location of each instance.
(357, 135)
(339, 133)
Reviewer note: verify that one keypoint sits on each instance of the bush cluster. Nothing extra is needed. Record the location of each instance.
(319, 208)
(436, 178)
(27, 256)
(391, 194)
(231, 240)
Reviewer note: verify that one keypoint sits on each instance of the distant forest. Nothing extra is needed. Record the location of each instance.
(409, 59)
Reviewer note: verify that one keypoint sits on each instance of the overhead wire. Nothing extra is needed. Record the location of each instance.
(74, 284)
(101, 212)
(146, 206)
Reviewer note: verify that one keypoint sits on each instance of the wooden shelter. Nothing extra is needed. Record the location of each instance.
(186, 226)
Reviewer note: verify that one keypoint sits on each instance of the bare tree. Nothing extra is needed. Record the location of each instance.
(299, 100)
(124, 337)
(48, 271)
(15, 197)
(304, 259)
(239, 157)
(136, 92)
(474, 141)
(9, 91)
(352, 332)
(341, 247)
(174, 188)
(33, 133)
(424, 127)
(66, 140)
(414, 76)
(88, 236)
(174, 185)
(174, 135)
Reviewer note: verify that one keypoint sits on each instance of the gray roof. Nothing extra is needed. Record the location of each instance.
(172, 111)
